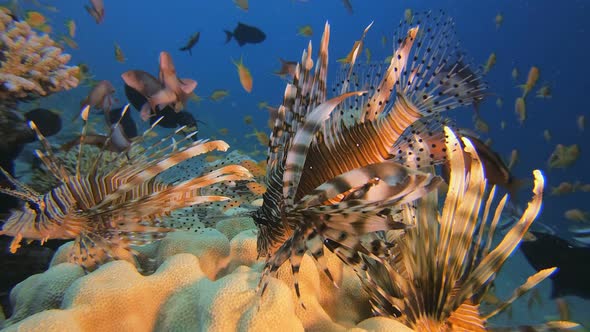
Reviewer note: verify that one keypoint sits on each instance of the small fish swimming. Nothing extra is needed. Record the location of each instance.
(71, 25)
(96, 10)
(244, 75)
(577, 215)
(581, 122)
(564, 156)
(532, 79)
(544, 91)
(104, 220)
(305, 31)
(245, 34)
(119, 56)
(499, 19)
(572, 276)
(490, 63)
(520, 109)
(219, 94)
(515, 73)
(100, 97)
(547, 135)
(287, 69)
(192, 41)
(242, 4)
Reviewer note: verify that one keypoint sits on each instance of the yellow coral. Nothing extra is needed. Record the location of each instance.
(32, 65)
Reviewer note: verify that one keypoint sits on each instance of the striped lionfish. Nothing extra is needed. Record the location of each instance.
(107, 211)
(340, 168)
(440, 269)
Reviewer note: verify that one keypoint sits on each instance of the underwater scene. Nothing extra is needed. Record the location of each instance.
(317, 165)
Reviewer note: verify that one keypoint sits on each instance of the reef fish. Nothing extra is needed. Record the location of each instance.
(572, 275)
(340, 166)
(106, 212)
(245, 34)
(101, 96)
(244, 74)
(96, 10)
(192, 41)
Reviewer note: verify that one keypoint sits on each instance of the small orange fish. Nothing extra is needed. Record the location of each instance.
(576, 215)
(544, 92)
(96, 10)
(223, 131)
(119, 56)
(563, 188)
(547, 135)
(71, 25)
(513, 159)
(244, 74)
(219, 94)
(530, 82)
(305, 30)
(243, 4)
(481, 125)
(408, 15)
(490, 63)
(248, 119)
(69, 42)
(261, 136)
(35, 19)
(515, 73)
(287, 68)
(581, 122)
(499, 19)
(520, 109)
(564, 156)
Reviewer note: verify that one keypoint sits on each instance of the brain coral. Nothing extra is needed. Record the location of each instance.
(202, 281)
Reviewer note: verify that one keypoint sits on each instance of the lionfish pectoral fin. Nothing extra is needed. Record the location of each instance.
(92, 250)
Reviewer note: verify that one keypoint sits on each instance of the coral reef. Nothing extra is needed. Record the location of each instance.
(202, 279)
(32, 65)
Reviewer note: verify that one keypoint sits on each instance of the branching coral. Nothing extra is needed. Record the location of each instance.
(30, 65)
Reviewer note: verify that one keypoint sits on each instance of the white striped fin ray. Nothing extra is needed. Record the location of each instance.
(98, 158)
(365, 198)
(369, 132)
(48, 158)
(141, 172)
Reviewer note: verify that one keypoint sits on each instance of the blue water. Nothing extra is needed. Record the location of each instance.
(548, 34)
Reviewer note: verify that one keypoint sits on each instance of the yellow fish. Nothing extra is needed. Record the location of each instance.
(547, 135)
(499, 19)
(544, 92)
(219, 94)
(576, 215)
(243, 4)
(248, 119)
(357, 48)
(530, 82)
(563, 188)
(564, 156)
(244, 74)
(262, 105)
(305, 30)
(119, 56)
(408, 15)
(515, 73)
(68, 41)
(520, 109)
(71, 25)
(490, 63)
(35, 19)
(581, 121)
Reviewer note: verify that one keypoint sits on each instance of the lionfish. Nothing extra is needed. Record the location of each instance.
(341, 168)
(106, 211)
(442, 266)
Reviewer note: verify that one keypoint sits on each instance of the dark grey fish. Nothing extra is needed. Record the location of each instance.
(245, 34)
(192, 41)
(573, 271)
